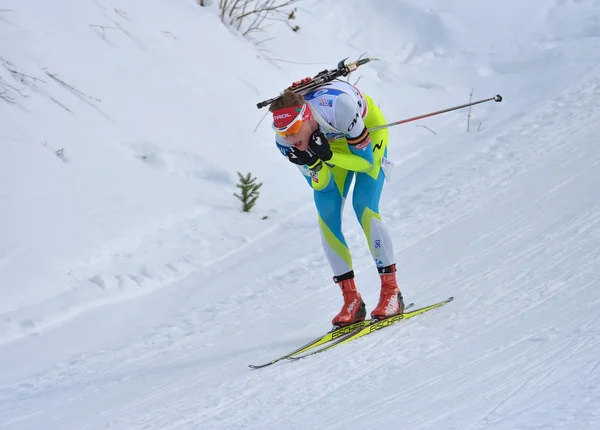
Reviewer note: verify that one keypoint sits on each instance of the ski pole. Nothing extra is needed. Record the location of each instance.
(497, 98)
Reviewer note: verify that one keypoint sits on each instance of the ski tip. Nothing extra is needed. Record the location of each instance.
(449, 299)
(258, 366)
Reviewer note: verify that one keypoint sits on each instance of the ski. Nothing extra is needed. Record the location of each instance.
(327, 337)
(373, 325)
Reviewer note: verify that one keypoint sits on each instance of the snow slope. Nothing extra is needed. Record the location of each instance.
(138, 206)
(148, 157)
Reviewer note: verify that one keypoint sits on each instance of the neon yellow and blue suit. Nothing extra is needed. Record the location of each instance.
(345, 114)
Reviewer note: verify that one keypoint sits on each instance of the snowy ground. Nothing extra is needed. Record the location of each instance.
(133, 292)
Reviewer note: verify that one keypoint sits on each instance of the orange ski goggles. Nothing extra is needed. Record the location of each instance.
(288, 121)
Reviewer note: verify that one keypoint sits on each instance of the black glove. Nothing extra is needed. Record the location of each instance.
(302, 157)
(319, 144)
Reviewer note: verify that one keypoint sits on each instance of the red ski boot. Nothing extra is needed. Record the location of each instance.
(354, 308)
(390, 298)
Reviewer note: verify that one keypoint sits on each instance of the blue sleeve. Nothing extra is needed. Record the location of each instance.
(283, 149)
(365, 153)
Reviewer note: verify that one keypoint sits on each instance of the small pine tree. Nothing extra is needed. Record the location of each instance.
(249, 191)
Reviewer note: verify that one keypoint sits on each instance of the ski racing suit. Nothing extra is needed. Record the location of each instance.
(344, 114)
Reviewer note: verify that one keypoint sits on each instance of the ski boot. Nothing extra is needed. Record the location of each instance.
(354, 308)
(390, 298)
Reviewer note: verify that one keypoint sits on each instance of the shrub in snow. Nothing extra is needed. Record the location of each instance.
(249, 191)
(249, 16)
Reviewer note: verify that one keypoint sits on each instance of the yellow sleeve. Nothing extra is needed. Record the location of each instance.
(322, 180)
(351, 162)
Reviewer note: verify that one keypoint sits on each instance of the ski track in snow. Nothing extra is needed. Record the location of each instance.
(540, 364)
